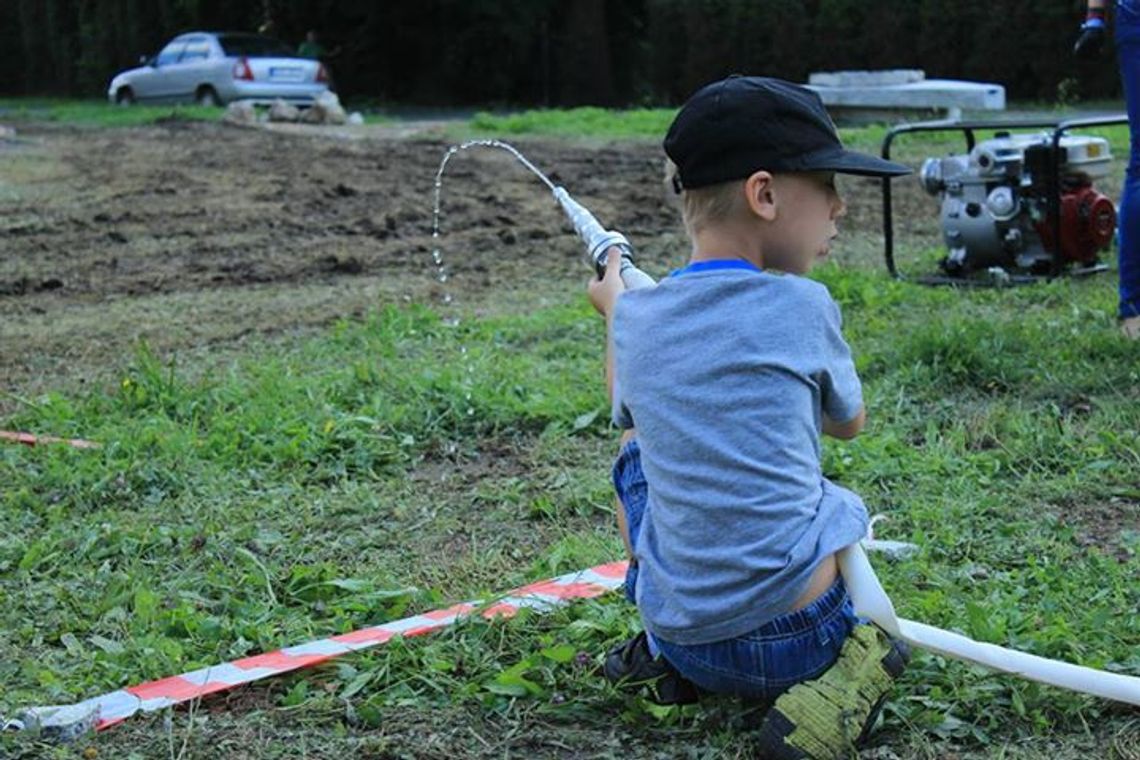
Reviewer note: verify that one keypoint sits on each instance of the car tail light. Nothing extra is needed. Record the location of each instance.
(242, 70)
(322, 73)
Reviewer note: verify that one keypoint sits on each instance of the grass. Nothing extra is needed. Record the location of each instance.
(581, 122)
(393, 464)
(98, 113)
(652, 123)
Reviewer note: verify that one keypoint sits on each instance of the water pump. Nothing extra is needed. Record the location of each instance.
(996, 204)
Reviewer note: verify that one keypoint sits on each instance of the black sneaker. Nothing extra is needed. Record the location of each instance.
(631, 665)
(828, 717)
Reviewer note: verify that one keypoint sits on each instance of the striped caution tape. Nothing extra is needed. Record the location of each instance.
(66, 722)
(36, 440)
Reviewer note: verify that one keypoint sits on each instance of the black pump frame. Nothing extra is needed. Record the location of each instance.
(968, 128)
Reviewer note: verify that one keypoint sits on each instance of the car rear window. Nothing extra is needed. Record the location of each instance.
(253, 46)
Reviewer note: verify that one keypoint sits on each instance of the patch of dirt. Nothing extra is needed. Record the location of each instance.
(189, 234)
(1111, 527)
(494, 456)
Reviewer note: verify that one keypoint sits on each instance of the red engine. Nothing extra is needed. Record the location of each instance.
(1088, 221)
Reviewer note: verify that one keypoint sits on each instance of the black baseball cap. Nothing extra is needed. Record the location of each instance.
(729, 129)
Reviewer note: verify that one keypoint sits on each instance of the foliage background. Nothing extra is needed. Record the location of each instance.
(596, 52)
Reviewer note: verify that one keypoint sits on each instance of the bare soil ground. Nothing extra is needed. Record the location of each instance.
(193, 236)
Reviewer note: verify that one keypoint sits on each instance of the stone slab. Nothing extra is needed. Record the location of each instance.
(876, 78)
(948, 94)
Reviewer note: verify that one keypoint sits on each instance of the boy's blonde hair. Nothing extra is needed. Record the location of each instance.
(705, 206)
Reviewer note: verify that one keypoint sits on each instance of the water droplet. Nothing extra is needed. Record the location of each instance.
(442, 275)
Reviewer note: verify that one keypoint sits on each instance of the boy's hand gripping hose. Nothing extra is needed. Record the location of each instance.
(598, 240)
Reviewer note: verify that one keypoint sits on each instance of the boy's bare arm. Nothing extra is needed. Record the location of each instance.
(603, 295)
(845, 430)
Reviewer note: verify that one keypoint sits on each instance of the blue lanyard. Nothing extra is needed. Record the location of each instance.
(714, 265)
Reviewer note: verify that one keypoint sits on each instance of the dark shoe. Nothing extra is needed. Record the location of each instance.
(631, 664)
(827, 717)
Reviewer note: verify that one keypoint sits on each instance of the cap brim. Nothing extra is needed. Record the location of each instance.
(850, 162)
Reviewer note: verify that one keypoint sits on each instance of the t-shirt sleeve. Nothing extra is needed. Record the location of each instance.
(620, 412)
(841, 391)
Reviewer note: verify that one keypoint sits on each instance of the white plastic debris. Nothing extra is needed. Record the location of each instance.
(889, 549)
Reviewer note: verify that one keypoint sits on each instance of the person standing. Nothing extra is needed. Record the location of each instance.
(1089, 45)
(311, 47)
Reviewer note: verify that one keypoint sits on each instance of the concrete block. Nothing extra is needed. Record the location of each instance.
(879, 78)
(849, 93)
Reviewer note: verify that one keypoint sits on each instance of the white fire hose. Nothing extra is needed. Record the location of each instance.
(872, 602)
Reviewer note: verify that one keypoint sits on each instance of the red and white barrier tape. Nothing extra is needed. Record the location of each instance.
(35, 440)
(68, 721)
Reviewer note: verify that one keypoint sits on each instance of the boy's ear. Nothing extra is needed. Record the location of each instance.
(760, 192)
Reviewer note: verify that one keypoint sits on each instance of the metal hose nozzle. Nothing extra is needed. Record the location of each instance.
(599, 240)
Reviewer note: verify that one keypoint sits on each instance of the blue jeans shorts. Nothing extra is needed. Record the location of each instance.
(763, 663)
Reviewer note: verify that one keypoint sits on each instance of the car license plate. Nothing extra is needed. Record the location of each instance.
(285, 73)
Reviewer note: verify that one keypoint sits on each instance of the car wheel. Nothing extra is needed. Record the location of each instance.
(207, 96)
(125, 97)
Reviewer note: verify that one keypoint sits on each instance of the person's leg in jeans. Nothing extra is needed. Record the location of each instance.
(1128, 49)
(637, 662)
(623, 519)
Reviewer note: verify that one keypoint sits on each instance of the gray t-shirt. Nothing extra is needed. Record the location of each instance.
(724, 370)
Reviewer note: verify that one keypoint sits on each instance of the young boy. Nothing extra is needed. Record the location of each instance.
(730, 369)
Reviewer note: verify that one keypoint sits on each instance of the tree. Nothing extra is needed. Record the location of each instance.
(567, 52)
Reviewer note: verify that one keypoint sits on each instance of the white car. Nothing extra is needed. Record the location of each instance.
(214, 68)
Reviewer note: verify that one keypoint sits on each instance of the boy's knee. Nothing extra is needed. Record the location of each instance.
(627, 436)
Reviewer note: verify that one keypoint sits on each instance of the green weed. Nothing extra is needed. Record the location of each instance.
(99, 113)
(395, 464)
